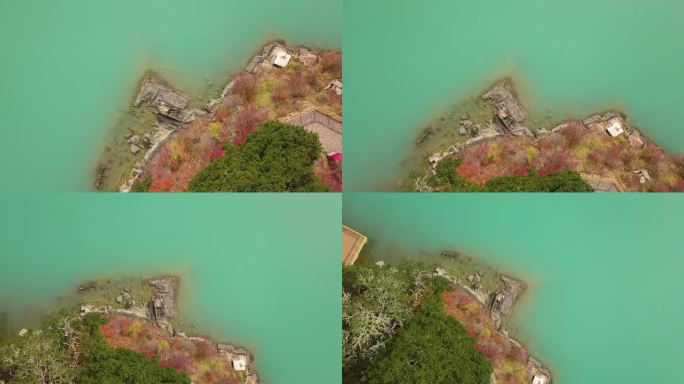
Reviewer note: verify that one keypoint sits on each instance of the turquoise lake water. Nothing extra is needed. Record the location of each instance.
(69, 68)
(604, 273)
(259, 271)
(408, 62)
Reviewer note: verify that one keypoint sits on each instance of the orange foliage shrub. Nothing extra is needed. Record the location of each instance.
(245, 85)
(296, 86)
(247, 120)
(331, 62)
(200, 360)
(505, 354)
(574, 133)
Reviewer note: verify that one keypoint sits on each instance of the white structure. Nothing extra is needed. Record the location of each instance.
(540, 379)
(434, 159)
(282, 59)
(86, 309)
(643, 175)
(336, 86)
(615, 128)
(240, 363)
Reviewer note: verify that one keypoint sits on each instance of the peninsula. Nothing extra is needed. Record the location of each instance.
(442, 323)
(121, 331)
(491, 144)
(275, 126)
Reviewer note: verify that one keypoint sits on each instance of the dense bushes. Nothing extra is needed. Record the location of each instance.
(564, 181)
(432, 348)
(37, 357)
(142, 185)
(45, 356)
(277, 157)
(446, 178)
(395, 330)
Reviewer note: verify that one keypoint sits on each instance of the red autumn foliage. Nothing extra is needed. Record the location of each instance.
(330, 175)
(332, 62)
(246, 122)
(680, 186)
(545, 144)
(178, 362)
(481, 152)
(217, 153)
(505, 355)
(653, 156)
(107, 331)
(311, 78)
(510, 378)
(281, 94)
(296, 86)
(332, 98)
(596, 158)
(519, 353)
(198, 359)
(245, 85)
(612, 155)
(161, 185)
(574, 133)
(521, 171)
(469, 171)
(492, 351)
(223, 114)
(205, 349)
(196, 144)
(555, 162)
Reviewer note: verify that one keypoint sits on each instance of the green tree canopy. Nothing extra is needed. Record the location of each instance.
(36, 358)
(564, 181)
(432, 348)
(277, 157)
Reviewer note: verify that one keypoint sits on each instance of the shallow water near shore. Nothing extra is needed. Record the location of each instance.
(255, 272)
(408, 63)
(603, 274)
(70, 68)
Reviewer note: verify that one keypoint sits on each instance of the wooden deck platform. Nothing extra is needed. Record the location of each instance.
(352, 244)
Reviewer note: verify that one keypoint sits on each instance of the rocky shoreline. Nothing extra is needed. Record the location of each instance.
(499, 304)
(161, 309)
(503, 115)
(171, 111)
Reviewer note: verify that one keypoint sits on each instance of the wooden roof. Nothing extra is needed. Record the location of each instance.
(603, 183)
